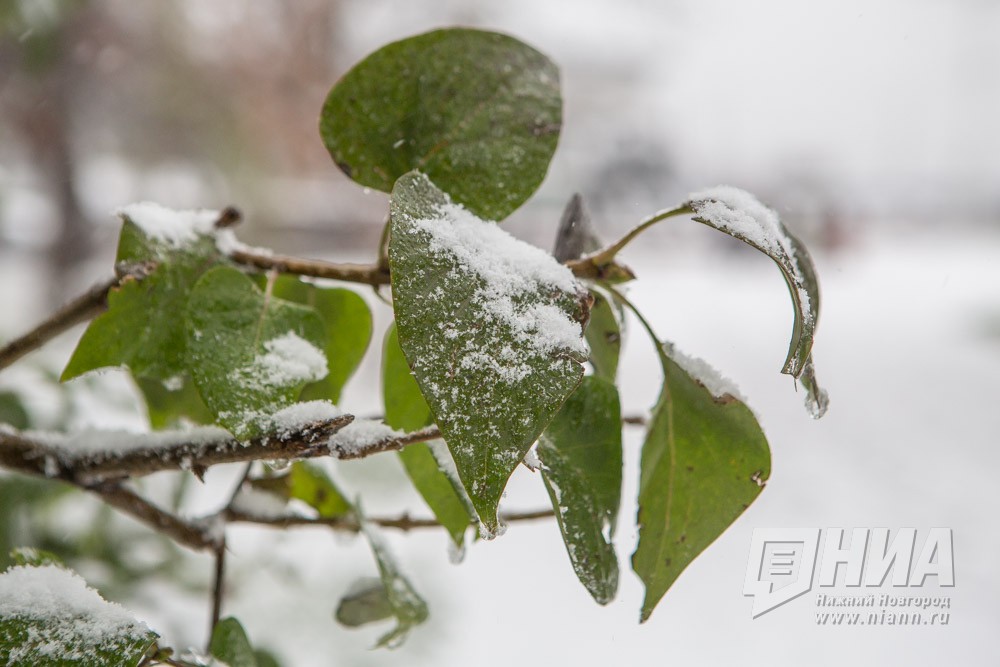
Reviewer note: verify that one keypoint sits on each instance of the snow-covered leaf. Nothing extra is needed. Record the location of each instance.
(604, 337)
(492, 328)
(143, 327)
(479, 112)
(50, 618)
(348, 322)
(250, 353)
(407, 606)
(739, 214)
(231, 645)
(704, 461)
(406, 409)
(34, 557)
(581, 455)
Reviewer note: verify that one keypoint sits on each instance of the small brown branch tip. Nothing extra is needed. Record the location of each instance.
(228, 217)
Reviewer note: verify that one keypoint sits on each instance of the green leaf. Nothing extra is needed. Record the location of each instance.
(143, 328)
(265, 659)
(478, 112)
(171, 407)
(231, 645)
(314, 487)
(704, 461)
(12, 411)
(34, 557)
(407, 606)
(491, 328)
(740, 215)
(50, 618)
(250, 354)
(604, 337)
(438, 490)
(366, 602)
(348, 323)
(406, 409)
(581, 455)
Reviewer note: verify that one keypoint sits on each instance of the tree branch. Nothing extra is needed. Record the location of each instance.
(81, 309)
(378, 274)
(349, 523)
(196, 535)
(368, 274)
(29, 454)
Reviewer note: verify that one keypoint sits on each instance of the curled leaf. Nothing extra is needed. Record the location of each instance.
(739, 214)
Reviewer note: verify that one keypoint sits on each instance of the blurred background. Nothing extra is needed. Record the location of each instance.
(870, 127)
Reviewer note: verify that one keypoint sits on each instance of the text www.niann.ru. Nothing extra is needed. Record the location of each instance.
(883, 618)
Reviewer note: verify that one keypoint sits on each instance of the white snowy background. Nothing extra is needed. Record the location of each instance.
(877, 121)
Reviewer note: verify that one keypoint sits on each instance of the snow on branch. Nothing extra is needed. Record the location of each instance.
(94, 456)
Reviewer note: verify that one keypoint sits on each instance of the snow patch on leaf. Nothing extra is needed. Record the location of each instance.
(704, 374)
(74, 619)
(178, 229)
(740, 214)
(287, 360)
(510, 269)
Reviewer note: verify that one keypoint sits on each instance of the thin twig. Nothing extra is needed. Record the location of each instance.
(196, 535)
(84, 307)
(368, 274)
(378, 274)
(218, 588)
(596, 264)
(349, 523)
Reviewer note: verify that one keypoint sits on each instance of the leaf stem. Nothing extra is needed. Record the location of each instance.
(596, 262)
(642, 320)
